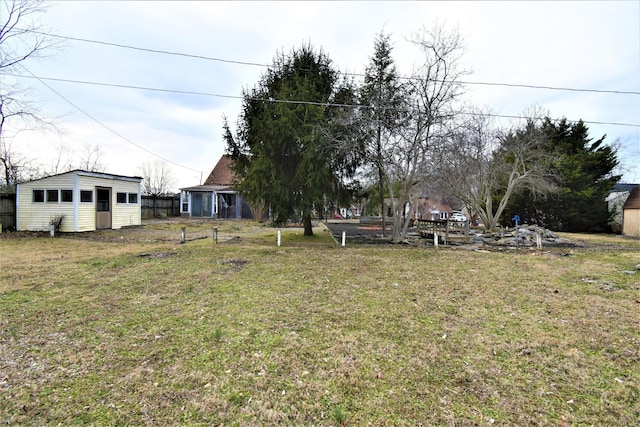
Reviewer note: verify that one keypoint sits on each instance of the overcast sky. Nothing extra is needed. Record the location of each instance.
(575, 44)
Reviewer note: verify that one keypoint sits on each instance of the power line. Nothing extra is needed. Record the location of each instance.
(284, 101)
(160, 51)
(257, 64)
(103, 125)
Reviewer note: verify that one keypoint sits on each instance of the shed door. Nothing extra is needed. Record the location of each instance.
(103, 208)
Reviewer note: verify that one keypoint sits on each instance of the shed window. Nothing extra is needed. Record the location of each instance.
(52, 196)
(66, 195)
(38, 196)
(133, 197)
(86, 196)
(121, 198)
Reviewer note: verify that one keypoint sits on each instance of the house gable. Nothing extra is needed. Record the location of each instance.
(221, 173)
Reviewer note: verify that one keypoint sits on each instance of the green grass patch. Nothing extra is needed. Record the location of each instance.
(131, 327)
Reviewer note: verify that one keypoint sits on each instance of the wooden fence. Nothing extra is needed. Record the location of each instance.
(159, 207)
(7, 211)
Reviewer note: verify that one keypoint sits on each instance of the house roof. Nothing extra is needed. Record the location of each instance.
(622, 187)
(633, 201)
(431, 205)
(93, 174)
(209, 188)
(221, 173)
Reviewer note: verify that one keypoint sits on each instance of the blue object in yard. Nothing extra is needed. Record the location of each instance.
(516, 219)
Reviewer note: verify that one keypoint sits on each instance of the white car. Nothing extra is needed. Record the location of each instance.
(458, 216)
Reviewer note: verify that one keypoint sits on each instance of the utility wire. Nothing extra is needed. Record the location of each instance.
(257, 64)
(284, 101)
(103, 125)
(143, 49)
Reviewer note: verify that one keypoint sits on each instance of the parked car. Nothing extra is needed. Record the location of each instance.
(458, 216)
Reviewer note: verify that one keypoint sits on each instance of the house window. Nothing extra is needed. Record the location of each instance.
(86, 196)
(444, 215)
(121, 198)
(133, 197)
(66, 195)
(52, 196)
(185, 201)
(38, 196)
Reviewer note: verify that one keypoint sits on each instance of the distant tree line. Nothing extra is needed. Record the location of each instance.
(309, 139)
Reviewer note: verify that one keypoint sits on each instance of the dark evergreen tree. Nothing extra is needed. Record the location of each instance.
(283, 157)
(582, 175)
(381, 98)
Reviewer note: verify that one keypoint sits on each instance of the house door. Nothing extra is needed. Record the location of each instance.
(103, 208)
(196, 204)
(201, 205)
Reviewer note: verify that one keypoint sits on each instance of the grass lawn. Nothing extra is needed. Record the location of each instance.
(130, 327)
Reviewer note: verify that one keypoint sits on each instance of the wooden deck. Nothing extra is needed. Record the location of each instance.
(446, 231)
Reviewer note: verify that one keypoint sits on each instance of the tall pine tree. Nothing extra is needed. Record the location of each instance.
(281, 153)
(381, 98)
(582, 176)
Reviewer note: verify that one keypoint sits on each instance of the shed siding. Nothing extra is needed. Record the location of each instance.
(36, 216)
(122, 214)
(79, 216)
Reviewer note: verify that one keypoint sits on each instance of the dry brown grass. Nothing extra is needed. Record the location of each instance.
(131, 327)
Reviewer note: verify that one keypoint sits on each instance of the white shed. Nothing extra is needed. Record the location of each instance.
(87, 201)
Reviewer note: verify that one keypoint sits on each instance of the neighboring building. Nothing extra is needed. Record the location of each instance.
(631, 214)
(87, 201)
(216, 198)
(431, 209)
(615, 200)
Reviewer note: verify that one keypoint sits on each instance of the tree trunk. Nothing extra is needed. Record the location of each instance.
(308, 227)
(381, 180)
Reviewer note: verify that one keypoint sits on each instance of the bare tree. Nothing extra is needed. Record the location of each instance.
(21, 39)
(433, 92)
(483, 166)
(157, 179)
(16, 167)
(62, 160)
(91, 158)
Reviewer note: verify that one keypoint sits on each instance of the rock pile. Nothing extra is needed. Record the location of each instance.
(527, 235)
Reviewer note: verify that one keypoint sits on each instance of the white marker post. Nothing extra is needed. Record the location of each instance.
(344, 238)
(183, 235)
(278, 237)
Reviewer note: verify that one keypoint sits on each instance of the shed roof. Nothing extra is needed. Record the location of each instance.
(104, 175)
(633, 201)
(221, 173)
